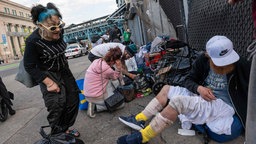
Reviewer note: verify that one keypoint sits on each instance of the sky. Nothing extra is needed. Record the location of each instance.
(77, 11)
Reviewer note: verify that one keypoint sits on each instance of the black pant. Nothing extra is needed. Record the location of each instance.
(92, 57)
(126, 43)
(62, 106)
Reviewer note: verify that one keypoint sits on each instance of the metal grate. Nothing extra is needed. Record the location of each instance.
(215, 17)
(212, 17)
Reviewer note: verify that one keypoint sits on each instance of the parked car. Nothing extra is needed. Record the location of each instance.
(75, 50)
(16, 57)
(1, 61)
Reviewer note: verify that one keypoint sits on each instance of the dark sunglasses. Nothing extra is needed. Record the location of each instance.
(53, 28)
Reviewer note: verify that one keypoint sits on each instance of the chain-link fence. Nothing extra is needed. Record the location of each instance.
(207, 18)
(174, 11)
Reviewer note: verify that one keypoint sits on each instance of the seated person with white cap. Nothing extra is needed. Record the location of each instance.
(214, 94)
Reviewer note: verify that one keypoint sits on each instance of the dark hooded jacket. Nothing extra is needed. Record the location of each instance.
(238, 82)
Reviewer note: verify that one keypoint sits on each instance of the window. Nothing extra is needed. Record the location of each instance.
(22, 29)
(7, 10)
(16, 28)
(21, 14)
(14, 12)
(9, 27)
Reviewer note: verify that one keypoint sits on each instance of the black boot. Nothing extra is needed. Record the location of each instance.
(12, 111)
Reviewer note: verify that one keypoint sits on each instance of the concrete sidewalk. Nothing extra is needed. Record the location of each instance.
(105, 128)
(10, 64)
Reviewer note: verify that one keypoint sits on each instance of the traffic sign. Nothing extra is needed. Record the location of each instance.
(4, 39)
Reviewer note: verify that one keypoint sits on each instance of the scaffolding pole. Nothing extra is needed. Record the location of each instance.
(251, 107)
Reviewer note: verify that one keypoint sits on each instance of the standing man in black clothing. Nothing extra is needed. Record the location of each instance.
(45, 61)
(115, 34)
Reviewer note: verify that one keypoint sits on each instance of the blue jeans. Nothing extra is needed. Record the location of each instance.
(236, 130)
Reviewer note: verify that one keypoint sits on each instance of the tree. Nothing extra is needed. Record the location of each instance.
(24, 44)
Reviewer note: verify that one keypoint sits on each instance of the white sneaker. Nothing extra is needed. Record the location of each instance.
(91, 110)
(100, 108)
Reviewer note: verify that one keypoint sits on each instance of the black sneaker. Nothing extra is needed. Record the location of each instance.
(132, 122)
(134, 138)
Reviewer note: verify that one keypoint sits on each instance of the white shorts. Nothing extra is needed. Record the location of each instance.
(179, 91)
(216, 114)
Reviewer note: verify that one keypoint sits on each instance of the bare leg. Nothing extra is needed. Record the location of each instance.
(162, 96)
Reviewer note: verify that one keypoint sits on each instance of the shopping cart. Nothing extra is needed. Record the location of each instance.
(171, 64)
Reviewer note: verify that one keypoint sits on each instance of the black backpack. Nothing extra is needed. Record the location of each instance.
(60, 138)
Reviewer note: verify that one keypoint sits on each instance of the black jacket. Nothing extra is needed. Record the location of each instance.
(238, 82)
(41, 55)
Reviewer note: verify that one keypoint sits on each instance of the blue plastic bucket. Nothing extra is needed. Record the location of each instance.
(83, 104)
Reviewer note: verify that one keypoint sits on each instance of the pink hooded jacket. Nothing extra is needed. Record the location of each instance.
(92, 80)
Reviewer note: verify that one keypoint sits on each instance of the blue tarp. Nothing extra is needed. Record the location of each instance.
(83, 104)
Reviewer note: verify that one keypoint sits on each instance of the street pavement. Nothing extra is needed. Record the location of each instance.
(105, 128)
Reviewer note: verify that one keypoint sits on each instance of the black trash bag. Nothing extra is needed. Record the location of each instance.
(5, 102)
(60, 138)
(174, 44)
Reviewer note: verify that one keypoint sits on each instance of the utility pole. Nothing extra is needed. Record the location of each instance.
(6, 59)
(76, 39)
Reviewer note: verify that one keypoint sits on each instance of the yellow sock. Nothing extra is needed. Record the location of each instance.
(140, 117)
(147, 134)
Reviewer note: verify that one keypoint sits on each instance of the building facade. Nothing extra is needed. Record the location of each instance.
(15, 25)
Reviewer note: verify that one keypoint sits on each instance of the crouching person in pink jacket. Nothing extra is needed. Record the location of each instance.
(98, 83)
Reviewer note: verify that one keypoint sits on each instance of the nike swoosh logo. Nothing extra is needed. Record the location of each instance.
(222, 53)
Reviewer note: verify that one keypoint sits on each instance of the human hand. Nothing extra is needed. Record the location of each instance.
(206, 93)
(130, 75)
(53, 87)
(137, 77)
(118, 64)
(232, 2)
(134, 76)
